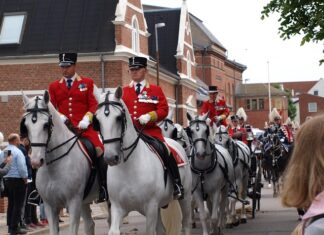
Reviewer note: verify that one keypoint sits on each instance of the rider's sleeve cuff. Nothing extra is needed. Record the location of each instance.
(153, 116)
(89, 115)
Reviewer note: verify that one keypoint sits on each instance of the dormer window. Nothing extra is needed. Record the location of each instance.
(12, 27)
(135, 35)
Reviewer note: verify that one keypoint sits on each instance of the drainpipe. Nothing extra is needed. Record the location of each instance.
(177, 100)
(102, 62)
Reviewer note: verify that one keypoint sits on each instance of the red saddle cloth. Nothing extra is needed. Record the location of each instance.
(177, 157)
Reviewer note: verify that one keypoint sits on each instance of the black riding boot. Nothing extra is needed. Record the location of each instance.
(102, 179)
(178, 192)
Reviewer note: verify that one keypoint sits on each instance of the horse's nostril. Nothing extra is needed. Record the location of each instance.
(116, 158)
(42, 161)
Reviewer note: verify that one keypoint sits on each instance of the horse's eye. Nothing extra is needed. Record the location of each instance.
(119, 118)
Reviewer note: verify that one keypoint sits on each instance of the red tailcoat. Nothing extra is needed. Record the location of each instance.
(233, 130)
(150, 99)
(288, 133)
(75, 102)
(215, 109)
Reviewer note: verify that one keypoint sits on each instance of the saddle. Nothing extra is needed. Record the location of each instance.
(90, 153)
(161, 148)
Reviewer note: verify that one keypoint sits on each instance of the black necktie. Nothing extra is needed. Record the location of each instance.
(69, 83)
(138, 88)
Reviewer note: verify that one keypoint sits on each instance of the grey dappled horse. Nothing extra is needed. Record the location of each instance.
(137, 175)
(63, 168)
(242, 162)
(212, 175)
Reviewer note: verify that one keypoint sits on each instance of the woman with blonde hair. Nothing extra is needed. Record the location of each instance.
(304, 179)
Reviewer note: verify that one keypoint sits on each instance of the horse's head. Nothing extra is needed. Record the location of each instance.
(221, 134)
(110, 121)
(37, 125)
(168, 128)
(198, 131)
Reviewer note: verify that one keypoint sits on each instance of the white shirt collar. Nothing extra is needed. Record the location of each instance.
(73, 78)
(143, 83)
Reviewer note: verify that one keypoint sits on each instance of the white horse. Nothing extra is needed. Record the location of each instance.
(137, 175)
(63, 168)
(212, 175)
(175, 131)
(242, 162)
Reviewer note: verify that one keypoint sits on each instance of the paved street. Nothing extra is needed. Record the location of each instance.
(273, 219)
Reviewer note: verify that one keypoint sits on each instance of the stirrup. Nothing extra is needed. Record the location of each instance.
(103, 195)
(34, 198)
(178, 193)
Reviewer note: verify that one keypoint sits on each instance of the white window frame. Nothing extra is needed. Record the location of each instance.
(189, 72)
(312, 107)
(4, 27)
(135, 35)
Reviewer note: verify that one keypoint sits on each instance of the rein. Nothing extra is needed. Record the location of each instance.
(120, 139)
(46, 112)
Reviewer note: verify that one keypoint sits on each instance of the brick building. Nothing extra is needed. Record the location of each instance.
(254, 98)
(109, 33)
(213, 66)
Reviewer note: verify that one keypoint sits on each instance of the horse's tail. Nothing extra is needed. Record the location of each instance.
(172, 218)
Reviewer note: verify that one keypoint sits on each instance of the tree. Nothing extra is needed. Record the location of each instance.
(298, 17)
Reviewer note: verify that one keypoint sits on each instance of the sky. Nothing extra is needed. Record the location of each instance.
(254, 42)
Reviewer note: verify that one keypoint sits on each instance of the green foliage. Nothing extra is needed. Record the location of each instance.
(291, 109)
(298, 17)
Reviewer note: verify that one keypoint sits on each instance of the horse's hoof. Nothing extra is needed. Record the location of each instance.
(243, 221)
(229, 226)
(194, 225)
(236, 223)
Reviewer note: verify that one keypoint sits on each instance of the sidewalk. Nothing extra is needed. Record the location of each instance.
(98, 211)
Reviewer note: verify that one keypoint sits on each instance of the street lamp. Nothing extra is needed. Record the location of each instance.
(157, 25)
(269, 89)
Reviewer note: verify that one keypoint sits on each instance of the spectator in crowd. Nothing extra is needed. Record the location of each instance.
(4, 169)
(304, 179)
(15, 184)
(24, 148)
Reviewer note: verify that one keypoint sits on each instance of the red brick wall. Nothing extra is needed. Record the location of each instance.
(257, 118)
(3, 205)
(304, 99)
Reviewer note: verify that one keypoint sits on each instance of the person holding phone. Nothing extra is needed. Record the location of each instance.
(15, 182)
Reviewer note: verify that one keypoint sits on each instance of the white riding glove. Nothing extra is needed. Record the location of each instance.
(63, 118)
(218, 118)
(144, 119)
(84, 123)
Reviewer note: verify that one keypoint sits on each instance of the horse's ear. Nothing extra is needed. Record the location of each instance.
(25, 98)
(205, 116)
(46, 97)
(189, 117)
(119, 92)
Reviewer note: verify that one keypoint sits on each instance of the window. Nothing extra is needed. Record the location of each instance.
(248, 104)
(189, 65)
(135, 35)
(261, 104)
(312, 107)
(254, 104)
(316, 92)
(12, 27)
